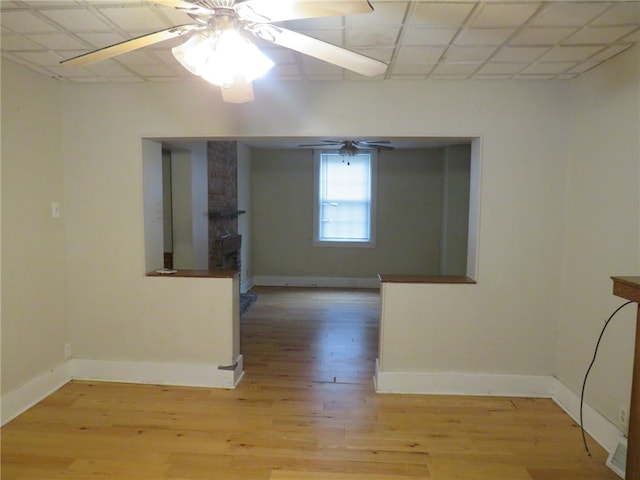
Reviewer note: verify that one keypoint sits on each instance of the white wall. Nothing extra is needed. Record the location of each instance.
(115, 312)
(34, 316)
(602, 231)
(153, 204)
(190, 218)
(507, 323)
(245, 220)
(188, 210)
(200, 206)
(514, 306)
(455, 210)
(182, 209)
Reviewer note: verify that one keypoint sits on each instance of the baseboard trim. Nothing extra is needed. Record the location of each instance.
(605, 433)
(322, 282)
(23, 398)
(246, 285)
(595, 424)
(157, 373)
(464, 384)
(20, 400)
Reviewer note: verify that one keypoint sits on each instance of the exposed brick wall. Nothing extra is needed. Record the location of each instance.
(223, 192)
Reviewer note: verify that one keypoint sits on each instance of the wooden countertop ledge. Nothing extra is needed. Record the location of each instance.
(443, 279)
(196, 274)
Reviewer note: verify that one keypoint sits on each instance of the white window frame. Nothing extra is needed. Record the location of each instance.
(373, 156)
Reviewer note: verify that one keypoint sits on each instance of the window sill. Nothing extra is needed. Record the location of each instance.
(318, 243)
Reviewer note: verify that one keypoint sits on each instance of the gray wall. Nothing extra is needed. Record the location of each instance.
(409, 217)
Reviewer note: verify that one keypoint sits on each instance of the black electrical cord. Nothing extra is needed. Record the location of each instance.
(584, 383)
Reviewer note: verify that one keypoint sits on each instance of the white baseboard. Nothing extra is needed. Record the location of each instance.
(189, 375)
(186, 375)
(20, 400)
(536, 386)
(595, 424)
(246, 284)
(324, 282)
(464, 384)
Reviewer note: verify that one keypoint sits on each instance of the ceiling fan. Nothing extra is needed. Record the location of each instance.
(220, 47)
(349, 148)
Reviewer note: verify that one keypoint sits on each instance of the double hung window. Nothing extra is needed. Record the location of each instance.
(344, 213)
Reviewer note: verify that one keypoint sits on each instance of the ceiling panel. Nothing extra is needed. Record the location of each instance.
(542, 36)
(570, 14)
(102, 39)
(77, 20)
(599, 35)
(24, 21)
(56, 41)
(429, 36)
(439, 39)
(484, 36)
(381, 36)
(134, 19)
(620, 13)
(434, 14)
(504, 14)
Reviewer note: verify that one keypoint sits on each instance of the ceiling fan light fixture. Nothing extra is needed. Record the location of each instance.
(348, 150)
(222, 57)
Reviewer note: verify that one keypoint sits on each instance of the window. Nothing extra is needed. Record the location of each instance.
(344, 213)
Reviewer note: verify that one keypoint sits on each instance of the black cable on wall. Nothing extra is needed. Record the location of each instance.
(593, 360)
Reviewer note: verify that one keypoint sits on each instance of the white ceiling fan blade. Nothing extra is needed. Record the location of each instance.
(237, 93)
(266, 11)
(132, 44)
(342, 57)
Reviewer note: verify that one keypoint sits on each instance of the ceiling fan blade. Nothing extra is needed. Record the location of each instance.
(326, 143)
(369, 142)
(380, 147)
(132, 44)
(267, 11)
(342, 57)
(237, 93)
(183, 5)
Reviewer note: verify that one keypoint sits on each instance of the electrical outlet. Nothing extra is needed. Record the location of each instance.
(623, 416)
(67, 350)
(55, 210)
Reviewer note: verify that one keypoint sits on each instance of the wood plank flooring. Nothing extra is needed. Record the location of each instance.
(306, 410)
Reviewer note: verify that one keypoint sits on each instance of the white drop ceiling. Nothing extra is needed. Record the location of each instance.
(419, 40)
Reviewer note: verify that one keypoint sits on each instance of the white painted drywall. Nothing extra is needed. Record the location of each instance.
(245, 220)
(602, 232)
(514, 305)
(534, 208)
(34, 320)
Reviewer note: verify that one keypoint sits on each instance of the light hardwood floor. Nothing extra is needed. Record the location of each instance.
(305, 410)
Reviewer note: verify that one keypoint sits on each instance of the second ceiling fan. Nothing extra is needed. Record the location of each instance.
(349, 148)
(220, 48)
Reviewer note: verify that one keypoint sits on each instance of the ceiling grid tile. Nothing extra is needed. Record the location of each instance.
(426, 39)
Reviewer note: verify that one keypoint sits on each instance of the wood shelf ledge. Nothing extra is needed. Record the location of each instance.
(430, 279)
(197, 274)
(627, 287)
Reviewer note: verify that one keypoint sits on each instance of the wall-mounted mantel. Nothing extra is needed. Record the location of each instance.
(226, 214)
(629, 288)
